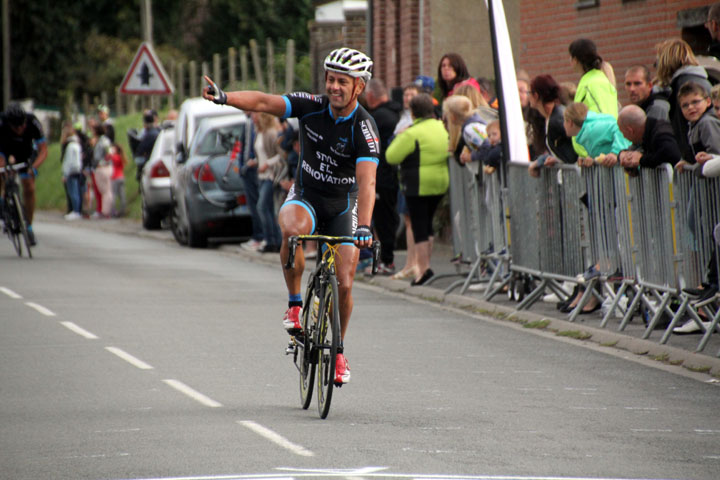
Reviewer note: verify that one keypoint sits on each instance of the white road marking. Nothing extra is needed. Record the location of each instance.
(10, 293)
(79, 330)
(344, 474)
(192, 393)
(651, 430)
(136, 362)
(707, 432)
(41, 309)
(276, 438)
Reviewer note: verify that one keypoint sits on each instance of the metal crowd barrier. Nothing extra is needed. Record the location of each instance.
(698, 207)
(649, 234)
(545, 227)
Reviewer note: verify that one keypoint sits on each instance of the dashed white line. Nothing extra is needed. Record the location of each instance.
(136, 362)
(79, 330)
(10, 293)
(192, 393)
(276, 438)
(45, 311)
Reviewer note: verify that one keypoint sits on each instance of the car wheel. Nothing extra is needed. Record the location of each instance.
(195, 239)
(151, 220)
(177, 230)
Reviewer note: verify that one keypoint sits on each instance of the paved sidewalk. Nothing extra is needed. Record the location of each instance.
(679, 350)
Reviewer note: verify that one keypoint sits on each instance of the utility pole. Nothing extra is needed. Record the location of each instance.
(6, 52)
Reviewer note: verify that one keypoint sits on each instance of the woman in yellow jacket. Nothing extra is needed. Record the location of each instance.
(422, 153)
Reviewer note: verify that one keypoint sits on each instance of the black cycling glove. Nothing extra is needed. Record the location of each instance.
(363, 233)
(219, 96)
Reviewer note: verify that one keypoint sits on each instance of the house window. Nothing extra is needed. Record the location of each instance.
(587, 4)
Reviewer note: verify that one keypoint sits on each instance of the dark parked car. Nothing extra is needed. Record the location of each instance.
(208, 198)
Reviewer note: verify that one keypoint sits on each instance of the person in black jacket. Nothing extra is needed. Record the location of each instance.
(713, 26)
(653, 139)
(386, 114)
(545, 98)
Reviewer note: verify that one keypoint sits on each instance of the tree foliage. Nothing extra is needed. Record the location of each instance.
(85, 46)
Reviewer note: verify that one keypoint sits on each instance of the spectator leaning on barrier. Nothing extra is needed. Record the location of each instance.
(703, 125)
(651, 98)
(421, 151)
(713, 26)
(386, 114)
(653, 140)
(544, 97)
(598, 134)
(595, 89)
(677, 65)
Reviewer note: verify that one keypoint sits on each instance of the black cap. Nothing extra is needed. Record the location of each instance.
(15, 114)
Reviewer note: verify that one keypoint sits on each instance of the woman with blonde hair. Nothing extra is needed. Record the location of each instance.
(677, 65)
(269, 159)
(480, 105)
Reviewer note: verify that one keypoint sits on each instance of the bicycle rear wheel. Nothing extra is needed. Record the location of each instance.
(22, 224)
(328, 342)
(305, 352)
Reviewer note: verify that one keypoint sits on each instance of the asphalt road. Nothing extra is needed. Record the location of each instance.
(132, 358)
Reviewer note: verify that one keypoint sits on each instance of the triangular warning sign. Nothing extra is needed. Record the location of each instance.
(146, 75)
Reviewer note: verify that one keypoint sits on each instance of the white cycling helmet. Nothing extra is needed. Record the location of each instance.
(350, 62)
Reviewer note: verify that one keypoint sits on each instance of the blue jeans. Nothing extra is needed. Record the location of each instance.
(74, 190)
(250, 183)
(266, 210)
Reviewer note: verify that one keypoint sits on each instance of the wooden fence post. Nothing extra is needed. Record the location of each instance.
(217, 71)
(290, 66)
(256, 64)
(181, 83)
(270, 52)
(232, 78)
(243, 68)
(193, 78)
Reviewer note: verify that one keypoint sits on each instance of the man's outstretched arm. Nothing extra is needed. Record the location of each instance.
(249, 100)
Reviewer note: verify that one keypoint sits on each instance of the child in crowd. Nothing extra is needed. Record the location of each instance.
(715, 97)
(597, 133)
(704, 131)
(117, 155)
(490, 152)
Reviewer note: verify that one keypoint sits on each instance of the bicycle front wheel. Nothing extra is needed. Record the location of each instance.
(12, 224)
(328, 342)
(305, 352)
(22, 225)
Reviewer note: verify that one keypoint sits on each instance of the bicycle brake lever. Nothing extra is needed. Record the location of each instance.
(292, 246)
(375, 256)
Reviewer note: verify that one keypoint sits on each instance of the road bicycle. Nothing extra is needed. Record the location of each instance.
(315, 349)
(13, 212)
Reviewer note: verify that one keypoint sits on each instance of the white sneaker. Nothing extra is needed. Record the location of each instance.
(551, 298)
(252, 245)
(691, 327)
(73, 216)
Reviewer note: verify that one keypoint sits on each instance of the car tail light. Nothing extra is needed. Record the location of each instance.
(159, 170)
(242, 199)
(204, 173)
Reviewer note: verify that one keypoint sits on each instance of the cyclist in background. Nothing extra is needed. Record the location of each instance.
(21, 134)
(334, 189)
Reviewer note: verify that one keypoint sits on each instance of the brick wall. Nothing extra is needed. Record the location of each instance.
(625, 32)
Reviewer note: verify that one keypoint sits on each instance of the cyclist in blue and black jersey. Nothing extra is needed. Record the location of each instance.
(334, 189)
(21, 137)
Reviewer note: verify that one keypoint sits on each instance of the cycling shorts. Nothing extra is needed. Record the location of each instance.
(335, 218)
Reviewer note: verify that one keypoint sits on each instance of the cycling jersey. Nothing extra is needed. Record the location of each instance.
(330, 149)
(22, 147)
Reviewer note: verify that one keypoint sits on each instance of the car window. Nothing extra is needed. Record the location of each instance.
(220, 140)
